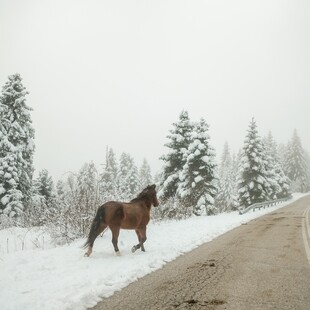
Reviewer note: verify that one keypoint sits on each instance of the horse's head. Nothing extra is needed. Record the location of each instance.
(150, 191)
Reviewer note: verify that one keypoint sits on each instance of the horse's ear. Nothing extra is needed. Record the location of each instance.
(153, 186)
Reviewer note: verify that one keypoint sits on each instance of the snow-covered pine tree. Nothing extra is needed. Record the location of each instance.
(226, 198)
(253, 183)
(197, 187)
(174, 160)
(127, 179)
(88, 197)
(307, 158)
(295, 165)
(274, 188)
(145, 176)
(226, 161)
(17, 147)
(280, 183)
(10, 196)
(108, 178)
(61, 194)
(45, 186)
(42, 205)
(88, 185)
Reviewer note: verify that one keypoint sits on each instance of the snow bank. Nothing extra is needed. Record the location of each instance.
(61, 278)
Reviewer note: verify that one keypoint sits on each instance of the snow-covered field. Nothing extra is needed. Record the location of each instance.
(36, 275)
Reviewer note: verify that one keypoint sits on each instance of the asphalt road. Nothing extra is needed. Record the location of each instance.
(264, 264)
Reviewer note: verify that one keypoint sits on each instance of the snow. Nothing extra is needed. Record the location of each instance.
(5, 199)
(198, 179)
(36, 275)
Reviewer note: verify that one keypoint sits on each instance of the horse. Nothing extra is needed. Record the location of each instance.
(131, 215)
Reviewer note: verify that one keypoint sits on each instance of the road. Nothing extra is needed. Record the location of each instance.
(264, 264)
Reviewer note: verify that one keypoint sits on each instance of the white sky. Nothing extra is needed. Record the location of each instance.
(118, 73)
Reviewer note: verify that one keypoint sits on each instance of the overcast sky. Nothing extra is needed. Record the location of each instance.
(119, 73)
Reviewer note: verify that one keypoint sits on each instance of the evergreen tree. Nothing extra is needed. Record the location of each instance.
(60, 190)
(279, 182)
(253, 183)
(145, 176)
(127, 177)
(108, 180)
(179, 140)
(197, 186)
(274, 188)
(17, 147)
(88, 184)
(295, 164)
(226, 199)
(226, 161)
(307, 158)
(45, 185)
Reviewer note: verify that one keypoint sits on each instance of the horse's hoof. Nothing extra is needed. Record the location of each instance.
(134, 249)
(118, 253)
(86, 254)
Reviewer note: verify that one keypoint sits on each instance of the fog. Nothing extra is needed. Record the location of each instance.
(118, 73)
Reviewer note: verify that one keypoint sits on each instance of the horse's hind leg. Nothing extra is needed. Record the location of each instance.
(94, 233)
(115, 234)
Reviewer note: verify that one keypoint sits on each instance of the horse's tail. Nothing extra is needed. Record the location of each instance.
(94, 229)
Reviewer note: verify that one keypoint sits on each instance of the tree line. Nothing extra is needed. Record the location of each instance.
(191, 182)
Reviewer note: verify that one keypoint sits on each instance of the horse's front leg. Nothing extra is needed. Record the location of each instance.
(141, 234)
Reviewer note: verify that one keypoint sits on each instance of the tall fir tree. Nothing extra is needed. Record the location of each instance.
(145, 175)
(44, 185)
(295, 164)
(174, 160)
(253, 183)
(87, 182)
(197, 186)
(108, 178)
(17, 147)
(127, 177)
(280, 183)
(227, 198)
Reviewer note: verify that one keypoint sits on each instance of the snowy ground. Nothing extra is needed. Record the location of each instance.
(36, 275)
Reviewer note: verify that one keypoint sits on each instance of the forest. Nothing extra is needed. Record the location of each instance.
(191, 182)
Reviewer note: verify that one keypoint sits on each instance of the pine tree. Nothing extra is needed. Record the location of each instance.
(60, 190)
(108, 179)
(10, 196)
(307, 158)
(44, 185)
(226, 161)
(127, 177)
(279, 182)
(295, 164)
(269, 167)
(88, 184)
(179, 140)
(226, 199)
(145, 176)
(17, 147)
(253, 182)
(197, 186)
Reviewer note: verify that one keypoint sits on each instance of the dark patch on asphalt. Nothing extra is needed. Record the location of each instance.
(207, 263)
(278, 218)
(193, 302)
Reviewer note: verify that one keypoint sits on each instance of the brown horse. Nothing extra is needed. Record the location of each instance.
(116, 215)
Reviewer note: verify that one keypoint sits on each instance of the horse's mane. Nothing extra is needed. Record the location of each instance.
(142, 196)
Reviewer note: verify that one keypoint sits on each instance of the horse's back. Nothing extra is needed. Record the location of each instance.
(114, 212)
(126, 215)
